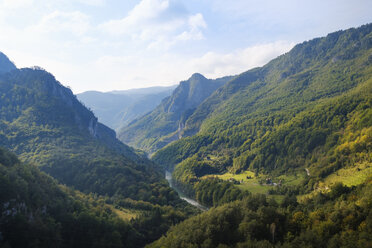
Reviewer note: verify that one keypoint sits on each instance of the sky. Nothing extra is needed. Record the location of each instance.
(109, 45)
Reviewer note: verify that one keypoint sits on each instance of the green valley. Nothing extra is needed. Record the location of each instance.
(46, 126)
(277, 156)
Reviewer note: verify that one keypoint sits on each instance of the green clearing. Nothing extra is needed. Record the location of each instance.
(246, 176)
(292, 179)
(124, 214)
(349, 176)
(248, 181)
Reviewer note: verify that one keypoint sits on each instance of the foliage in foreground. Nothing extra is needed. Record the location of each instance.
(340, 218)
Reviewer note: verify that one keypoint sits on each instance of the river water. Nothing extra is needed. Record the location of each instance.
(169, 178)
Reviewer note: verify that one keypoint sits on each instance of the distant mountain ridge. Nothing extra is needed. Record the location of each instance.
(117, 108)
(144, 91)
(166, 122)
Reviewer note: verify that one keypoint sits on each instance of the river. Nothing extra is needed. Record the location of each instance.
(169, 178)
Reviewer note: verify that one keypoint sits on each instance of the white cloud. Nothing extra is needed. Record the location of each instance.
(159, 23)
(93, 2)
(196, 23)
(214, 64)
(75, 22)
(13, 4)
(118, 72)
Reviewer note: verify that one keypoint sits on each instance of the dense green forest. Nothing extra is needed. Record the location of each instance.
(308, 109)
(36, 212)
(340, 218)
(298, 129)
(165, 123)
(46, 126)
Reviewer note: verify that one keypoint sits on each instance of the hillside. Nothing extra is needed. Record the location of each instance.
(308, 110)
(165, 123)
(37, 212)
(118, 108)
(340, 218)
(44, 123)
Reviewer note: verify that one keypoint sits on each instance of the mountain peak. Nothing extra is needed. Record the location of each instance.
(197, 76)
(5, 64)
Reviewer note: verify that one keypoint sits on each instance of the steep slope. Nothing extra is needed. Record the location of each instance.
(308, 109)
(45, 124)
(165, 123)
(106, 106)
(36, 212)
(5, 64)
(141, 106)
(116, 109)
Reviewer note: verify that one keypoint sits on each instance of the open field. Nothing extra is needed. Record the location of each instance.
(349, 176)
(248, 181)
(124, 214)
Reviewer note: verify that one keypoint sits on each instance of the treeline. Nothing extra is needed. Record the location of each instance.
(340, 218)
(36, 212)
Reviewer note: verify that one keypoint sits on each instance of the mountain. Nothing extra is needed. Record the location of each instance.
(117, 108)
(44, 123)
(46, 126)
(282, 152)
(166, 122)
(306, 111)
(5, 64)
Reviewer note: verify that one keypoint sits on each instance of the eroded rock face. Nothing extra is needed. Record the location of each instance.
(167, 122)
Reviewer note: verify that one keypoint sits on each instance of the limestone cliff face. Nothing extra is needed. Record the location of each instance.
(52, 102)
(167, 121)
(84, 118)
(189, 94)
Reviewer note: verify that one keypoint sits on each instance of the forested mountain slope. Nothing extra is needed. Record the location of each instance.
(36, 212)
(118, 108)
(166, 122)
(297, 129)
(307, 109)
(44, 123)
